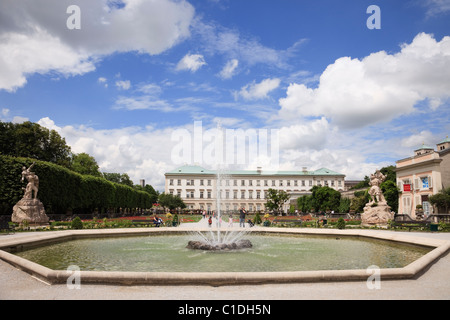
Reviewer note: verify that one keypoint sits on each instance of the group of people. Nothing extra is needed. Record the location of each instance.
(242, 213)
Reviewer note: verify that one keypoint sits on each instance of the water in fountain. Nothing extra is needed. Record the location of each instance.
(220, 238)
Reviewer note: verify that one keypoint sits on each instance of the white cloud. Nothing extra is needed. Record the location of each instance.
(137, 151)
(255, 91)
(216, 39)
(229, 69)
(146, 152)
(36, 32)
(49, 124)
(149, 88)
(19, 119)
(435, 7)
(5, 112)
(123, 84)
(6, 116)
(191, 62)
(312, 135)
(416, 140)
(144, 102)
(378, 88)
(103, 81)
(37, 52)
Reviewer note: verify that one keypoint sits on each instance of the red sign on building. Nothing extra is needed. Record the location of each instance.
(406, 187)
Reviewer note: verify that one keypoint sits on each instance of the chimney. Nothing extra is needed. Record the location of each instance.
(304, 169)
(259, 169)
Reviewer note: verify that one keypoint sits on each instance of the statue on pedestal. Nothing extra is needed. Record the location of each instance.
(376, 211)
(375, 190)
(33, 182)
(29, 208)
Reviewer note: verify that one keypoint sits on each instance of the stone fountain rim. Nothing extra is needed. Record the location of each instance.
(7, 245)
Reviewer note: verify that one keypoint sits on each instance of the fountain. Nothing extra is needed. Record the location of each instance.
(219, 239)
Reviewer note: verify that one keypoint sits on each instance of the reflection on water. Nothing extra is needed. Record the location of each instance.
(269, 253)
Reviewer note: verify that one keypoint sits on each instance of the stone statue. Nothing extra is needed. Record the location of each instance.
(29, 208)
(375, 190)
(33, 182)
(376, 211)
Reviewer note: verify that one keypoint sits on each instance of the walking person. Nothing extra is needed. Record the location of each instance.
(242, 213)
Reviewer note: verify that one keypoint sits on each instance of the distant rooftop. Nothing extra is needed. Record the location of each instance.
(194, 169)
(424, 146)
(446, 140)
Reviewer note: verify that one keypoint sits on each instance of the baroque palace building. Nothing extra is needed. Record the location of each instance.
(199, 187)
(421, 176)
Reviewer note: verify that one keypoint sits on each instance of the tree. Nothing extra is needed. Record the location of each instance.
(85, 164)
(390, 192)
(121, 178)
(167, 200)
(344, 205)
(359, 201)
(304, 203)
(325, 198)
(150, 190)
(362, 184)
(441, 200)
(389, 172)
(31, 140)
(276, 199)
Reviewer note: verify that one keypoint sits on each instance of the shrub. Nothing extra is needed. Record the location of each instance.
(340, 223)
(257, 218)
(61, 189)
(77, 223)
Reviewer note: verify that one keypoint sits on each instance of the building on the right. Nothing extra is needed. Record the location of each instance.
(421, 176)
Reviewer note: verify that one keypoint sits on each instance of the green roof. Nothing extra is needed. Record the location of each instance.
(424, 146)
(187, 169)
(445, 140)
(191, 170)
(325, 171)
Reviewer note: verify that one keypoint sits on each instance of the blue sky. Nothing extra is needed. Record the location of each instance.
(342, 96)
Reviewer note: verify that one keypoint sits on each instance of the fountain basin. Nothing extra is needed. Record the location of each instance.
(437, 248)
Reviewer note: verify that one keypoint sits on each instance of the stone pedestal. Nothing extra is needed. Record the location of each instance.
(378, 215)
(31, 210)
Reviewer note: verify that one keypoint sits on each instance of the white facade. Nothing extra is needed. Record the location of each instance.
(199, 188)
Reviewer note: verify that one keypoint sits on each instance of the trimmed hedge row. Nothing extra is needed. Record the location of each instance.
(62, 190)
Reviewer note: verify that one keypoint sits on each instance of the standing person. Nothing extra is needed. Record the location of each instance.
(230, 220)
(242, 213)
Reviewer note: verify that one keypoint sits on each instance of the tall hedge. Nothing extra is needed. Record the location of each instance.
(61, 189)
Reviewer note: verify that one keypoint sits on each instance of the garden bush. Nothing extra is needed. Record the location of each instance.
(77, 223)
(62, 190)
(340, 223)
(257, 219)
